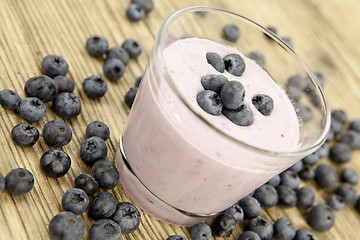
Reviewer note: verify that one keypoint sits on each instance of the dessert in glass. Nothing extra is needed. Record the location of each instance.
(183, 163)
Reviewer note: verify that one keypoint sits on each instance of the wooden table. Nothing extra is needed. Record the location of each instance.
(325, 33)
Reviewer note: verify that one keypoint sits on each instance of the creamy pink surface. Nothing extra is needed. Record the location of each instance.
(181, 159)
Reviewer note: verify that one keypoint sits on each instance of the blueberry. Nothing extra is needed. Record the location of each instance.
(236, 211)
(55, 163)
(127, 216)
(87, 183)
(54, 65)
(275, 181)
(98, 129)
(331, 136)
(291, 179)
(249, 235)
(64, 84)
(210, 102)
(148, 5)
(336, 202)
(315, 99)
(133, 47)
(67, 105)
(66, 226)
(307, 173)
(201, 231)
(325, 176)
(267, 195)
(105, 229)
(336, 126)
(113, 69)
(130, 96)
(94, 86)
(216, 61)
(297, 167)
(32, 109)
(284, 229)
(311, 159)
(263, 103)
(287, 196)
(357, 205)
(103, 205)
(347, 192)
(223, 225)
(304, 234)
(19, 181)
(105, 174)
(138, 81)
(355, 125)
(234, 64)
(251, 207)
(9, 99)
(349, 175)
(293, 93)
(288, 41)
(25, 135)
(232, 94)
(2, 182)
(272, 29)
(135, 12)
(305, 197)
(57, 133)
(243, 116)
(258, 57)
(323, 151)
(351, 138)
(339, 116)
(340, 152)
(96, 45)
(320, 78)
(304, 112)
(75, 200)
(93, 149)
(231, 32)
(262, 227)
(297, 81)
(42, 87)
(176, 237)
(119, 53)
(213, 82)
(321, 217)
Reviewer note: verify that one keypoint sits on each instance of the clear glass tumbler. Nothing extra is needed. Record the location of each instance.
(175, 163)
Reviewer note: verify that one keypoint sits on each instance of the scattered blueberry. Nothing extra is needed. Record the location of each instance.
(96, 45)
(287, 196)
(98, 129)
(127, 216)
(201, 231)
(103, 205)
(336, 202)
(55, 163)
(266, 195)
(135, 12)
(275, 180)
(355, 125)
(311, 159)
(305, 113)
(210, 102)
(249, 235)
(347, 192)
(19, 181)
(66, 226)
(263, 103)
(315, 99)
(105, 174)
(305, 197)
(321, 217)
(284, 229)
(42, 87)
(351, 138)
(119, 53)
(57, 133)
(93, 149)
(2, 182)
(291, 179)
(138, 81)
(94, 86)
(54, 65)
(288, 41)
(231, 32)
(223, 225)
(304, 234)
(340, 152)
(213, 82)
(148, 5)
(133, 47)
(105, 229)
(87, 183)
(336, 126)
(339, 116)
(262, 227)
(236, 211)
(243, 116)
(67, 105)
(130, 96)
(307, 173)
(258, 57)
(349, 175)
(293, 93)
(325, 176)
(32, 109)
(251, 207)
(64, 84)
(75, 200)
(176, 237)
(272, 30)
(320, 78)
(216, 61)
(25, 135)
(234, 64)
(323, 151)
(298, 82)
(297, 167)
(113, 69)
(9, 99)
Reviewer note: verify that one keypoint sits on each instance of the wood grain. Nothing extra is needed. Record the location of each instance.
(326, 34)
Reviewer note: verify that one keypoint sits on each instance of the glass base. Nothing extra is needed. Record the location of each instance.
(149, 202)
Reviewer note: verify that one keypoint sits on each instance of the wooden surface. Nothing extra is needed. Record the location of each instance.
(325, 33)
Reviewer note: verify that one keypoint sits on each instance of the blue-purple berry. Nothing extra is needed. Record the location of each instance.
(19, 181)
(321, 217)
(119, 53)
(87, 183)
(258, 57)
(42, 87)
(284, 229)
(290, 178)
(98, 129)
(267, 195)
(148, 5)
(55, 163)
(323, 151)
(215, 60)
(355, 125)
(103, 205)
(210, 102)
(347, 192)
(2, 182)
(304, 112)
(223, 225)
(325, 176)
(251, 207)
(96, 45)
(297, 81)
(262, 227)
(234, 64)
(231, 32)
(288, 41)
(64, 84)
(67, 105)
(305, 197)
(287, 196)
(32, 109)
(138, 81)
(135, 12)
(275, 180)
(130, 96)
(105, 174)
(93, 149)
(176, 237)
(307, 173)
(94, 86)
(249, 235)
(263, 103)
(75, 200)
(25, 135)
(340, 152)
(213, 82)
(243, 116)
(236, 211)
(297, 167)
(351, 138)
(232, 94)
(105, 229)
(54, 65)
(201, 231)
(9, 99)
(113, 69)
(304, 234)
(349, 175)
(133, 47)
(127, 216)
(56, 133)
(336, 202)
(311, 159)
(66, 226)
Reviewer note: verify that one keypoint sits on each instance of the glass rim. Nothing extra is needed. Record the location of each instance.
(281, 154)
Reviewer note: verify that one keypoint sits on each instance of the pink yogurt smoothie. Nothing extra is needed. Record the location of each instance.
(192, 161)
